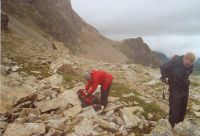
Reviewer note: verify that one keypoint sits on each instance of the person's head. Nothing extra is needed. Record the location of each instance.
(188, 59)
(87, 76)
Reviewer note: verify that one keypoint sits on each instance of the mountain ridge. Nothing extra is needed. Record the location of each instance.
(58, 21)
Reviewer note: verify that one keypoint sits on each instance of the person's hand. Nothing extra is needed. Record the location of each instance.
(164, 80)
(88, 94)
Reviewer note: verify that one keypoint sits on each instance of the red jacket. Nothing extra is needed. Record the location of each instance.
(99, 77)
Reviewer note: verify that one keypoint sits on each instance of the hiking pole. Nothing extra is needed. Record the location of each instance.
(163, 91)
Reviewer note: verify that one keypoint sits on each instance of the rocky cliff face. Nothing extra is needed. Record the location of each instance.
(138, 52)
(56, 20)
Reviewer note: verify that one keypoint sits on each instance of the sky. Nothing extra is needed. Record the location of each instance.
(168, 26)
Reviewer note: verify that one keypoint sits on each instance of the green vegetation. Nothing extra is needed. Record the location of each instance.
(68, 77)
(118, 89)
(195, 84)
(36, 66)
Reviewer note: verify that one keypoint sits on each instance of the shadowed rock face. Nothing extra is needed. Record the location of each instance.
(4, 22)
(138, 52)
(54, 17)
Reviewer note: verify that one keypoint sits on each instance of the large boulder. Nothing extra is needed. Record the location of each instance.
(60, 47)
(190, 127)
(54, 80)
(130, 119)
(56, 124)
(72, 112)
(163, 128)
(105, 124)
(58, 63)
(11, 95)
(52, 104)
(68, 96)
(25, 129)
(71, 95)
(113, 106)
(88, 112)
(85, 128)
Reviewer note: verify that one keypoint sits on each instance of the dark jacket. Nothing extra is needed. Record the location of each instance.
(177, 73)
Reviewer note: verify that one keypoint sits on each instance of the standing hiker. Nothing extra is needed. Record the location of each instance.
(175, 73)
(99, 77)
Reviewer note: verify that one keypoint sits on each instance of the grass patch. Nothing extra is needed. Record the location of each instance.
(195, 84)
(118, 89)
(36, 66)
(70, 80)
(68, 77)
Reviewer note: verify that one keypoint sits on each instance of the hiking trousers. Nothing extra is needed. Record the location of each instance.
(177, 106)
(104, 96)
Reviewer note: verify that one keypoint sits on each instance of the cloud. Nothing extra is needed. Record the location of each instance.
(171, 24)
(175, 44)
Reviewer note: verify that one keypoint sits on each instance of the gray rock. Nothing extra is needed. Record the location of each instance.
(119, 120)
(15, 68)
(163, 128)
(130, 119)
(197, 114)
(128, 95)
(113, 106)
(189, 127)
(4, 70)
(71, 134)
(41, 97)
(20, 120)
(54, 80)
(71, 96)
(72, 112)
(109, 113)
(26, 111)
(58, 63)
(25, 129)
(57, 124)
(32, 117)
(3, 125)
(88, 112)
(14, 75)
(132, 134)
(106, 124)
(54, 132)
(113, 99)
(150, 116)
(196, 107)
(85, 128)
(53, 104)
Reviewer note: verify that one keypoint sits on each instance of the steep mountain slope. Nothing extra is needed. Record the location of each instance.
(59, 21)
(138, 52)
(48, 21)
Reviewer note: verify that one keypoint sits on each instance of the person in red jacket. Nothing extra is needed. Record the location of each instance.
(99, 77)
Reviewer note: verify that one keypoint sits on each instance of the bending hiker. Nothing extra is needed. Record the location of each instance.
(99, 77)
(175, 73)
